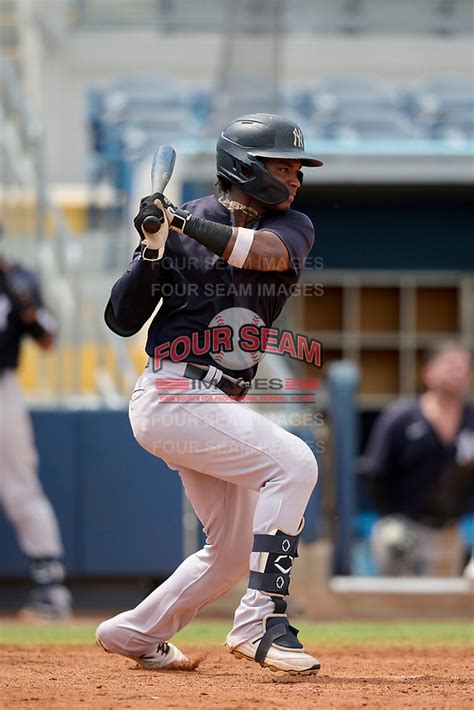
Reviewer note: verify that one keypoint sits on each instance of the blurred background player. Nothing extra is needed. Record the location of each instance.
(22, 313)
(420, 463)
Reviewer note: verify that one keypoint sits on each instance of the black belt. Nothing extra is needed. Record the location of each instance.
(235, 388)
(231, 386)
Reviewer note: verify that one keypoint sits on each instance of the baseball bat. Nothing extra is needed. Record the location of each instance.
(161, 170)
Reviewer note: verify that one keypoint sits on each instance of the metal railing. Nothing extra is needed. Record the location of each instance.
(325, 16)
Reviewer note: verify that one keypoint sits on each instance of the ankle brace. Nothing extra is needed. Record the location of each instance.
(279, 631)
(46, 571)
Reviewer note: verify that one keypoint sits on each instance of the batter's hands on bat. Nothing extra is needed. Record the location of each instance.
(153, 206)
(165, 205)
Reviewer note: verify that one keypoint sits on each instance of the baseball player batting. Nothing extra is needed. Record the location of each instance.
(248, 480)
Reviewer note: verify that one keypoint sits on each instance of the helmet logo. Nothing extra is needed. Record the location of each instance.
(298, 141)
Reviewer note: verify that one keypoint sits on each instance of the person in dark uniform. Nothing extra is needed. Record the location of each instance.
(22, 314)
(420, 464)
(222, 265)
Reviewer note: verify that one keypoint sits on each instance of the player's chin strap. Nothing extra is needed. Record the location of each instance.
(279, 550)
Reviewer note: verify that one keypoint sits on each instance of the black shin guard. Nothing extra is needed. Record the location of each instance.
(281, 549)
(275, 581)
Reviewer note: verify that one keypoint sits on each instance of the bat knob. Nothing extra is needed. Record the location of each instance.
(152, 224)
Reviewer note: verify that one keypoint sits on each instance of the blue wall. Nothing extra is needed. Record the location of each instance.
(119, 508)
(391, 226)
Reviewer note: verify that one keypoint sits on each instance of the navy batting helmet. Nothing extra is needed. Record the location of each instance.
(246, 140)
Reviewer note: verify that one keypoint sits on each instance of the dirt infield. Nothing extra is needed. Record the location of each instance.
(355, 677)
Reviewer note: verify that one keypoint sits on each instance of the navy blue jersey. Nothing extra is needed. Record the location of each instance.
(197, 286)
(12, 328)
(415, 472)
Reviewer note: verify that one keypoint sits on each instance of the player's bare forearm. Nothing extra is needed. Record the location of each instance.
(268, 253)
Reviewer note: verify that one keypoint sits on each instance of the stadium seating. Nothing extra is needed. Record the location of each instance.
(132, 115)
(342, 94)
(371, 124)
(443, 108)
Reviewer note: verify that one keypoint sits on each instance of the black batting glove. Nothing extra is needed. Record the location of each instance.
(158, 196)
(148, 208)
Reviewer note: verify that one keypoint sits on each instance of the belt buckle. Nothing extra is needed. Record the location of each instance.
(244, 386)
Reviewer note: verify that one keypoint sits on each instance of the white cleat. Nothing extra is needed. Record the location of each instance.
(289, 660)
(277, 648)
(165, 656)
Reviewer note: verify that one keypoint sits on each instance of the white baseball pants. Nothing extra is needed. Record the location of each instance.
(21, 493)
(243, 475)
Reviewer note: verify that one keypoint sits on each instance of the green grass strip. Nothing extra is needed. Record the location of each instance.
(404, 633)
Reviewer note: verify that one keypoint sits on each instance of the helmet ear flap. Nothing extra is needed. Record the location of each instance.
(246, 171)
(250, 174)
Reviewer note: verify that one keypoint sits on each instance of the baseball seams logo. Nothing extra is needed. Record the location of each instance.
(235, 319)
(298, 141)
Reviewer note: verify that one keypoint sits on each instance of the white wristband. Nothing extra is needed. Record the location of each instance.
(242, 246)
(143, 256)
